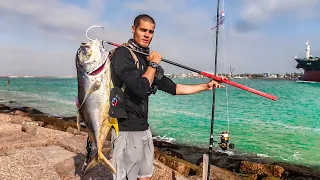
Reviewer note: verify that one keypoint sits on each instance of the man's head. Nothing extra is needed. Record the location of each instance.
(143, 29)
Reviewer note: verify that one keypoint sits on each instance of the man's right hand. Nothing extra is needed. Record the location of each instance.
(154, 57)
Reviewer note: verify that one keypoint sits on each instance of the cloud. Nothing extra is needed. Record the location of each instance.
(155, 6)
(46, 34)
(41, 38)
(50, 18)
(256, 13)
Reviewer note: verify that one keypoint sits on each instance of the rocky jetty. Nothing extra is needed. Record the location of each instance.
(34, 145)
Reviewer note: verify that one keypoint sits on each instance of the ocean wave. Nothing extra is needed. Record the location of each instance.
(164, 138)
(280, 124)
(263, 155)
(25, 96)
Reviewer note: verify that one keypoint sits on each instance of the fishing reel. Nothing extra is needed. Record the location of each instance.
(224, 141)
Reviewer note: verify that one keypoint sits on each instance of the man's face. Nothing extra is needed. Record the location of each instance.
(143, 34)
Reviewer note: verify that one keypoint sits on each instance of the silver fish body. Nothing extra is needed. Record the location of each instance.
(94, 85)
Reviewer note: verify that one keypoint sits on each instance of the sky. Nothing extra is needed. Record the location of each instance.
(41, 37)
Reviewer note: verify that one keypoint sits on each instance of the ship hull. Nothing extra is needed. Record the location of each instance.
(311, 69)
(313, 76)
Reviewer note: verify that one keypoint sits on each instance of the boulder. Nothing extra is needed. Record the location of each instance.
(217, 173)
(293, 171)
(183, 167)
(261, 169)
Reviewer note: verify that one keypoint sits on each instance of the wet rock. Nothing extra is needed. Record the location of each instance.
(172, 153)
(248, 176)
(216, 157)
(164, 144)
(4, 108)
(183, 167)
(29, 110)
(19, 113)
(270, 178)
(163, 172)
(156, 153)
(298, 172)
(217, 173)
(261, 169)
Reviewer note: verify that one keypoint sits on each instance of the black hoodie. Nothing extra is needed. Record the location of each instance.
(136, 95)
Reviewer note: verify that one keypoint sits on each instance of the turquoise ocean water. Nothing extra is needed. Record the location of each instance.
(286, 130)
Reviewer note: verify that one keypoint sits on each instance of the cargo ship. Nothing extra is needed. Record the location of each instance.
(310, 65)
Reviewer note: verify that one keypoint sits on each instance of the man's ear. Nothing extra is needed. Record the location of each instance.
(133, 29)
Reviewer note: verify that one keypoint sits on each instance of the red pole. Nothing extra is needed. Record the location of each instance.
(274, 98)
(211, 76)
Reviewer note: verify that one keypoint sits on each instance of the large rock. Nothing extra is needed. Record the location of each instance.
(163, 172)
(261, 169)
(157, 153)
(248, 176)
(27, 165)
(172, 153)
(298, 172)
(217, 173)
(19, 113)
(164, 144)
(76, 143)
(183, 167)
(71, 169)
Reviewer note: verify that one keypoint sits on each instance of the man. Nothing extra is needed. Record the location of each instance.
(133, 149)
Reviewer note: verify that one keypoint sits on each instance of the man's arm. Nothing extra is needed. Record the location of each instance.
(126, 69)
(150, 72)
(182, 89)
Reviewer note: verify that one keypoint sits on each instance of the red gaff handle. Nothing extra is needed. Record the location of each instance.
(211, 76)
(274, 98)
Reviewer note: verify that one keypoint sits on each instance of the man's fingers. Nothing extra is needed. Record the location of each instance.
(219, 86)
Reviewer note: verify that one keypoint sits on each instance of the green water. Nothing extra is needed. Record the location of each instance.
(286, 130)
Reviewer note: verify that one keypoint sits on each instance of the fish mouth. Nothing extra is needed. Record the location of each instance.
(98, 70)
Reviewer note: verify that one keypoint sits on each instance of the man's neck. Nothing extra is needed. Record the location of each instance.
(136, 46)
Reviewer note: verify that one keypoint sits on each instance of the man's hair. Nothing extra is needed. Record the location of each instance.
(144, 17)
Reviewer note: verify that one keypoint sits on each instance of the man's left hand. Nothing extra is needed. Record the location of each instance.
(214, 84)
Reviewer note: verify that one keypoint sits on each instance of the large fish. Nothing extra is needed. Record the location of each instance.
(94, 85)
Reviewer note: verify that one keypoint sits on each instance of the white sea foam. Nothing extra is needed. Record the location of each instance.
(164, 138)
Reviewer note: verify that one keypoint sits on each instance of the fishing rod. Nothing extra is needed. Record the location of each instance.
(208, 75)
(213, 94)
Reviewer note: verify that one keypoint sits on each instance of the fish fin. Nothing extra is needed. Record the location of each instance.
(114, 124)
(98, 159)
(106, 162)
(95, 86)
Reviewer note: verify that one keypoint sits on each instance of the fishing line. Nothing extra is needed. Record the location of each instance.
(225, 67)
